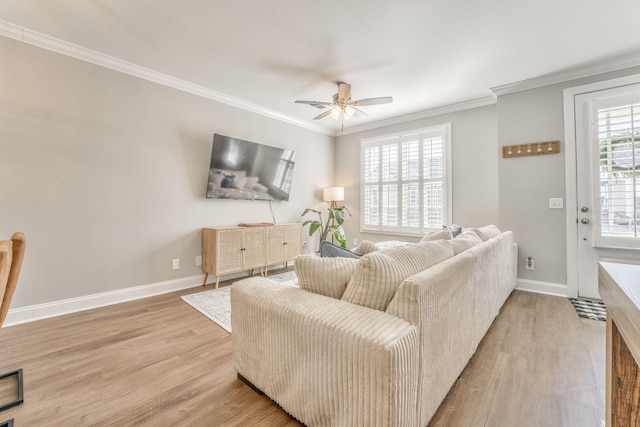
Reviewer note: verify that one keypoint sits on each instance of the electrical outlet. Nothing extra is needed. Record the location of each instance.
(199, 260)
(304, 244)
(530, 264)
(175, 264)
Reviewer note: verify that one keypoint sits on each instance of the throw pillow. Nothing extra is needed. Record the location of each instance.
(437, 235)
(251, 182)
(487, 232)
(216, 179)
(324, 276)
(379, 274)
(329, 250)
(454, 229)
(227, 180)
(239, 182)
(365, 247)
(465, 240)
(260, 188)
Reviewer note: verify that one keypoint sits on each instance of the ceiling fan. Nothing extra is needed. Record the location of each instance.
(343, 106)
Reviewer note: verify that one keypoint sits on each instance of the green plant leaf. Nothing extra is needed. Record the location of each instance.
(315, 225)
(306, 211)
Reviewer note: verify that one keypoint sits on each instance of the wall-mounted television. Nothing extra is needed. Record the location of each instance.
(247, 170)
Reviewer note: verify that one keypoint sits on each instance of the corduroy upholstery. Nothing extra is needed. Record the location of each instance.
(329, 362)
(326, 276)
(325, 361)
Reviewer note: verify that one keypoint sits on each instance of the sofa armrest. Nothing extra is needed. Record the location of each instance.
(325, 361)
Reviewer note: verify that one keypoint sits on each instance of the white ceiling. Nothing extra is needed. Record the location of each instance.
(424, 53)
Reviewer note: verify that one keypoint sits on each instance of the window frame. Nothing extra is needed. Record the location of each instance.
(443, 130)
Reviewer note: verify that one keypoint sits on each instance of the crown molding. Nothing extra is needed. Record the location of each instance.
(592, 69)
(446, 109)
(87, 55)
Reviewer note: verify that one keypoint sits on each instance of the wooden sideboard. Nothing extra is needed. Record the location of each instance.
(619, 286)
(232, 249)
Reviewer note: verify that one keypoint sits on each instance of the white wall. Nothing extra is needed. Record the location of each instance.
(106, 173)
(527, 183)
(475, 168)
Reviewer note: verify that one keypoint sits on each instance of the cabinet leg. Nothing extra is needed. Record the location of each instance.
(205, 279)
(217, 281)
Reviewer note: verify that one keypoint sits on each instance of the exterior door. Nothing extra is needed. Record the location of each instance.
(608, 184)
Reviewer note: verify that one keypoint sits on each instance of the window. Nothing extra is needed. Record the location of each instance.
(406, 181)
(618, 138)
(284, 173)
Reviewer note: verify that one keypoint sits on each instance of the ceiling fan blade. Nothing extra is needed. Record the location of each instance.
(317, 104)
(373, 101)
(359, 113)
(344, 91)
(323, 115)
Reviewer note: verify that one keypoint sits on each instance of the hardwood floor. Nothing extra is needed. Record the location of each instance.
(159, 362)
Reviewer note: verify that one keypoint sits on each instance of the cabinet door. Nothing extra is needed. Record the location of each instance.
(292, 241)
(253, 255)
(229, 251)
(275, 238)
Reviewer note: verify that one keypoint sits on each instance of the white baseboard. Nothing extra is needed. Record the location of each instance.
(32, 313)
(58, 308)
(548, 288)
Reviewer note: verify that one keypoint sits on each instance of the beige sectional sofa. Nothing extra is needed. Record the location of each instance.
(389, 349)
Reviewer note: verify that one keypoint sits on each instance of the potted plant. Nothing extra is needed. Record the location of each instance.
(333, 224)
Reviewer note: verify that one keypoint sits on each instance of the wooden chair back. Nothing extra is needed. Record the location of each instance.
(18, 248)
(6, 255)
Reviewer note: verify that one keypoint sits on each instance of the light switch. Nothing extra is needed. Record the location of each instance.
(556, 203)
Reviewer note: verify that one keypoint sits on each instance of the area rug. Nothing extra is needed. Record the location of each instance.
(216, 304)
(590, 309)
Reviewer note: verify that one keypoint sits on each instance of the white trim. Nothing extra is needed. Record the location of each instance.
(538, 287)
(615, 64)
(452, 108)
(31, 313)
(571, 180)
(74, 51)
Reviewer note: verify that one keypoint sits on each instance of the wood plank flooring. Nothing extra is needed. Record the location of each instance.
(159, 362)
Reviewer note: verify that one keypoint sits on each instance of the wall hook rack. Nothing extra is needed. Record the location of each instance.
(531, 149)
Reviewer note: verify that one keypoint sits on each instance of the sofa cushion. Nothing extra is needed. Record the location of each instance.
(365, 247)
(328, 249)
(465, 240)
(487, 232)
(324, 276)
(454, 229)
(379, 274)
(438, 235)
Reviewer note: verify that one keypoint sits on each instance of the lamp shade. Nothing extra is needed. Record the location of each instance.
(333, 194)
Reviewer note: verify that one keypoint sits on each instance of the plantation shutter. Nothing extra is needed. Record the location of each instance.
(405, 182)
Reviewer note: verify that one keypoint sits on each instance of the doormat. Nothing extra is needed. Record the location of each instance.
(590, 309)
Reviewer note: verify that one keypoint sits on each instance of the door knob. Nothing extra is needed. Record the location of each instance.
(584, 209)
(584, 221)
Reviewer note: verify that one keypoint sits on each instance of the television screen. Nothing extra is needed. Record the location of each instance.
(249, 171)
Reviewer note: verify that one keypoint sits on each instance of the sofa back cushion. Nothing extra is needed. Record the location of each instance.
(437, 235)
(378, 275)
(465, 240)
(326, 276)
(487, 232)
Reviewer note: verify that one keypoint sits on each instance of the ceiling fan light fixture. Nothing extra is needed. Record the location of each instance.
(348, 112)
(335, 112)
